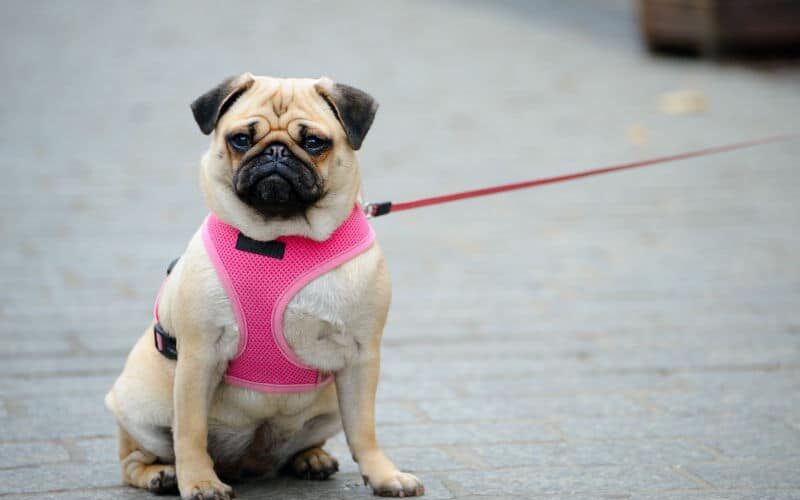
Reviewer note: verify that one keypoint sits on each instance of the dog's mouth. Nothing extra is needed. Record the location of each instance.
(277, 187)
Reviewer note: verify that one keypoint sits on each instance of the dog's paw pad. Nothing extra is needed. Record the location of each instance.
(164, 482)
(400, 484)
(314, 463)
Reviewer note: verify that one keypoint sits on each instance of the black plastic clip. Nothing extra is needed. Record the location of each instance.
(166, 344)
(377, 209)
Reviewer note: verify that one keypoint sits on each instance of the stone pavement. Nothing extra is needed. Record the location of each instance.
(630, 336)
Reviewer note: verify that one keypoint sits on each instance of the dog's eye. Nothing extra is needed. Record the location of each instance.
(239, 142)
(314, 144)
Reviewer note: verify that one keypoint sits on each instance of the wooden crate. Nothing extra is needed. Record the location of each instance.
(714, 26)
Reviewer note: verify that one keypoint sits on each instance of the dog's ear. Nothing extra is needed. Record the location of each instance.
(354, 108)
(209, 107)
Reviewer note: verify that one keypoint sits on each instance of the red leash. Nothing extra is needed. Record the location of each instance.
(386, 207)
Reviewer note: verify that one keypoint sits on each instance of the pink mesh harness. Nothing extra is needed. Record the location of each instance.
(261, 278)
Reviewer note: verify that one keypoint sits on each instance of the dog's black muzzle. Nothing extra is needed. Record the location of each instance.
(277, 183)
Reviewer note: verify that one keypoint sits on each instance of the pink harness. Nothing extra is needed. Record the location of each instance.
(261, 278)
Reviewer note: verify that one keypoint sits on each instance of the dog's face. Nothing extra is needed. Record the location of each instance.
(280, 146)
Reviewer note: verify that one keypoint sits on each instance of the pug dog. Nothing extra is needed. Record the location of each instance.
(281, 164)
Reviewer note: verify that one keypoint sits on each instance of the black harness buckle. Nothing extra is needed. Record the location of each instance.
(166, 344)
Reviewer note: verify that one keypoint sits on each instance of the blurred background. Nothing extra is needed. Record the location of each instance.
(628, 336)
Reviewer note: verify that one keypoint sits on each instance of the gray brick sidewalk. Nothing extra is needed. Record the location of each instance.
(631, 336)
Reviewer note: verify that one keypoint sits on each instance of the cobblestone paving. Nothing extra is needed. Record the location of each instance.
(632, 336)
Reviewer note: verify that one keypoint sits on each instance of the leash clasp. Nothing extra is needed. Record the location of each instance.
(377, 209)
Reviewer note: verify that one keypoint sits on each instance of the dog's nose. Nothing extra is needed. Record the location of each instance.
(276, 151)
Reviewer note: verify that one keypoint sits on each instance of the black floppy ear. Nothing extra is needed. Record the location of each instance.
(354, 108)
(209, 107)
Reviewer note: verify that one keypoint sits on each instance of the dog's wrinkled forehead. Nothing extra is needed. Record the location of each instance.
(281, 102)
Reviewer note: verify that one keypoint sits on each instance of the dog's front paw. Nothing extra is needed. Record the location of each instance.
(208, 490)
(396, 484)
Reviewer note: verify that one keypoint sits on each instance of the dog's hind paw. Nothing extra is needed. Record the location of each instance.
(164, 482)
(313, 463)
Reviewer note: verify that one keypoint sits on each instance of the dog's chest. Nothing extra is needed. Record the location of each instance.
(321, 323)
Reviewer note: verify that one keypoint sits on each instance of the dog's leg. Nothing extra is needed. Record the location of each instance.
(356, 385)
(139, 467)
(197, 374)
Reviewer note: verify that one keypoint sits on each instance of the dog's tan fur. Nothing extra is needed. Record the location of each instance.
(180, 412)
